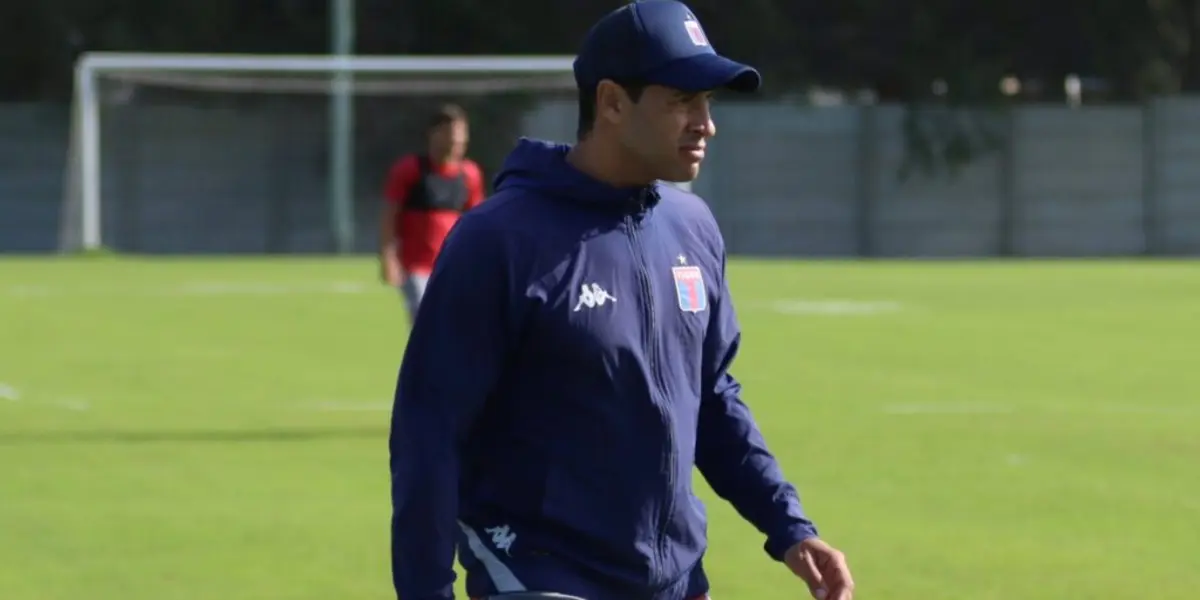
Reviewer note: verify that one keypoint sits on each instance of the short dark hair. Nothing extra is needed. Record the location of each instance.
(587, 104)
(444, 115)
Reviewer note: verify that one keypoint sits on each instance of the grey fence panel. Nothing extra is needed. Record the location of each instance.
(783, 180)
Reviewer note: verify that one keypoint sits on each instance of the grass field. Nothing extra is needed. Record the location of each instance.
(217, 429)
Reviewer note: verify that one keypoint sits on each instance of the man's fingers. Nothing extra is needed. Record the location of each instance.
(823, 568)
(841, 590)
(836, 589)
(837, 578)
(807, 570)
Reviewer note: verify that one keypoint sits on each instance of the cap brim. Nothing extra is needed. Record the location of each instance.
(704, 72)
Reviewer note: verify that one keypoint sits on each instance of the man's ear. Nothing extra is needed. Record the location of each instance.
(611, 101)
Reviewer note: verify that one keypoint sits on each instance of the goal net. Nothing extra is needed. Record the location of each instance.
(277, 154)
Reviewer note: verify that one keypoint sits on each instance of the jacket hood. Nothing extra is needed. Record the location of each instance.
(542, 166)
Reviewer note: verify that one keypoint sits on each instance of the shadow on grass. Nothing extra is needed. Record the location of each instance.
(267, 435)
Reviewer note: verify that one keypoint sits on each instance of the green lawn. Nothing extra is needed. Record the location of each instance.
(216, 430)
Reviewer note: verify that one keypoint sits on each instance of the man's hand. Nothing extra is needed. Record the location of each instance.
(822, 567)
(389, 270)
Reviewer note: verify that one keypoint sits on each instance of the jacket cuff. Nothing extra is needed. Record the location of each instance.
(778, 544)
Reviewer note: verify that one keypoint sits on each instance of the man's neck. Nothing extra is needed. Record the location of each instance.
(594, 161)
(442, 161)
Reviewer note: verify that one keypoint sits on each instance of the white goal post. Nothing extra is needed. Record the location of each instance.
(330, 73)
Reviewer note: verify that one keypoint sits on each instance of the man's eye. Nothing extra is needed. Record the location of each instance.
(692, 98)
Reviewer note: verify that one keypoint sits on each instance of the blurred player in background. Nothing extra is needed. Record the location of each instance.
(424, 195)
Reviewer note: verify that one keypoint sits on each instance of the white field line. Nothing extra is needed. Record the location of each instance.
(947, 408)
(784, 306)
(983, 408)
(266, 289)
(835, 307)
(9, 394)
(350, 406)
(194, 288)
(1016, 460)
(903, 409)
(74, 404)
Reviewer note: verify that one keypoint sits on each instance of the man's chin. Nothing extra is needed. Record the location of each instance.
(685, 174)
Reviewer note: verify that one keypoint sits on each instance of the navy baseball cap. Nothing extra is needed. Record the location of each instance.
(658, 42)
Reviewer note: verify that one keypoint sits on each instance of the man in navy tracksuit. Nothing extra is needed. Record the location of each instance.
(570, 363)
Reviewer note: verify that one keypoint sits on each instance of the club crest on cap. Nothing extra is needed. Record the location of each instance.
(695, 32)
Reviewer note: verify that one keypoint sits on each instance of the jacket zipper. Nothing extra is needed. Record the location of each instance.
(653, 353)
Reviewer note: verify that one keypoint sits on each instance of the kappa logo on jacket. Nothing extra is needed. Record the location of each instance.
(591, 295)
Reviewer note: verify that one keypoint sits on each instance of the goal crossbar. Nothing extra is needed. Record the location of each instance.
(92, 65)
(296, 63)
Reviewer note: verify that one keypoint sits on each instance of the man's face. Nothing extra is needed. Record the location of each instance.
(667, 130)
(448, 141)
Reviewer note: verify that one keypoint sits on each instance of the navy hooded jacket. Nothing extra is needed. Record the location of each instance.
(568, 367)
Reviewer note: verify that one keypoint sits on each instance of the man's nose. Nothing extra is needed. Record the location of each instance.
(703, 124)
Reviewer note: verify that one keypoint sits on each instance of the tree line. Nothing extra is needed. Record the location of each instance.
(896, 49)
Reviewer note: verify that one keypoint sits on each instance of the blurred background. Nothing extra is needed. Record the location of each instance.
(197, 357)
(887, 128)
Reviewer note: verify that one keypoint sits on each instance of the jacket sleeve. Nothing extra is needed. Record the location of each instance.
(461, 336)
(730, 450)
